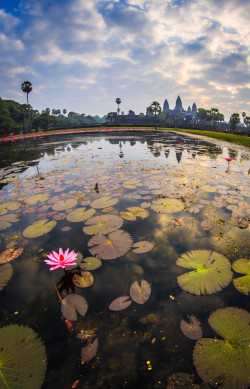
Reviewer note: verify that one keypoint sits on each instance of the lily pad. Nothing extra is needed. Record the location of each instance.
(88, 352)
(225, 363)
(9, 205)
(167, 205)
(90, 263)
(120, 303)
(10, 254)
(77, 261)
(115, 245)
(142, 247)
(22, 358)
(40, 197)
(134, 212)
(140, 294)
(133, 183)
(85, 280)
(191, 329)
(63, 205)
(212, 272)
(72, 303)
(80, 215)
(39, 228)
(6, 272)
(104, 202)
(6, 220)
(242, 284)
(103, 224)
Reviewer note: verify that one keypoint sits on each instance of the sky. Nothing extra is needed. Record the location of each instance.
(82, 54)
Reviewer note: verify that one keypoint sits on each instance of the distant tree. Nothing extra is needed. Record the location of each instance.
(42, 121)
(26, 88)
(64, 111)
(216, 116)
(6, 122)
(118, 102)
(243, 115)
(47, 110)
(71, 114)
(53, 111)
(234, 120)
(247, 121)
(141, 115)
(202, 114)
(155, 108)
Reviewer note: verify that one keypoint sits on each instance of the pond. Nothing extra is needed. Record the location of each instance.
(161, 300)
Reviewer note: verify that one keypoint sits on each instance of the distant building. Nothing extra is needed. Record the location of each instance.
(132, 119)
(189, 114)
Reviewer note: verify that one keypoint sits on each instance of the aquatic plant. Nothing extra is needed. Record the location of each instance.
(212, 272)
(61, 259)
(39, 228)
(72, 303)
(22, 358)
(225, 363)
(242, 284)
(6, 272)
(167, 205)
(103, 224)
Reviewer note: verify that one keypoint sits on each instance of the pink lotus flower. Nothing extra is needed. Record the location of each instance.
(228, 159)
(61, 259)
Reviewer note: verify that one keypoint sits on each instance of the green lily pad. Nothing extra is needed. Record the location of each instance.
(90, 263)
(72, 303)
(39, 228)
(85, 280)
(212, 272)
(80, 215)
(63, 205)
(6, 272)
(6, 220)
(103, 224)
(167, 205)
(134, 212)
(9, 205)
(104, 202)
(225, 363)
(242, 284)
(132, 183)
(22, 358)
(40, 197)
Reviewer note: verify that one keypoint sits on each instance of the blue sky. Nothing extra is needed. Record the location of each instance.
(83, 54)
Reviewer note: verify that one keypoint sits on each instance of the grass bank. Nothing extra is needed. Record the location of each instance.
(232, 138)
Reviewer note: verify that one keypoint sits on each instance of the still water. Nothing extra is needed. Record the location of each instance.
(187, 196)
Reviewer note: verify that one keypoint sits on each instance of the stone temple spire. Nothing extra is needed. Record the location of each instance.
(178, 103)
(194, 108)
(165, 106)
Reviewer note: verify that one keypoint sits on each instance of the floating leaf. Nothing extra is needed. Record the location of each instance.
(117, 244)
(90, 263)
(103, 224)
(39, 228)
(77, 260)
(191, 329)
(88, 352)
(167, 205)
(104, 202)
(242, 284)
(225, 362)
(140, 294)
(145, 205)
(80, 215)
(132, 183)
(212, 272)
(9, 205)
(65, 229)
(134, 212)
(22, 358)
(62, 205)
(6, 272)
(85, 280)
(142, 247)
(120, 303)
(10, 254)
(209, 188)
(40, 197)
(72, 303)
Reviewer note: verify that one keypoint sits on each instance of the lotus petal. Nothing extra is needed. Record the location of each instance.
(40, 197)
(39, 228)
(85, 280)
(103, 224)
(225, 362)
(72, 303)
(191, 329)
(62, 205)
(134, 212)
(212, 272)
(167, 205)
(120, 303)
(140, 294)
(6, 272)
(115, 245)
(90, 263)
(242, 284)
(142, 247)
(88, 352)
(22, 357)
(77, 260)
(10, 254)
(80, 215)
(104, 202)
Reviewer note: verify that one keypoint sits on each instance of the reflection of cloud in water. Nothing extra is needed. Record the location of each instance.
(189, 304)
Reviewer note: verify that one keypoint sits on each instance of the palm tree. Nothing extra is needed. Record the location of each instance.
(26, 88)
(155, 108)
(118, 102)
